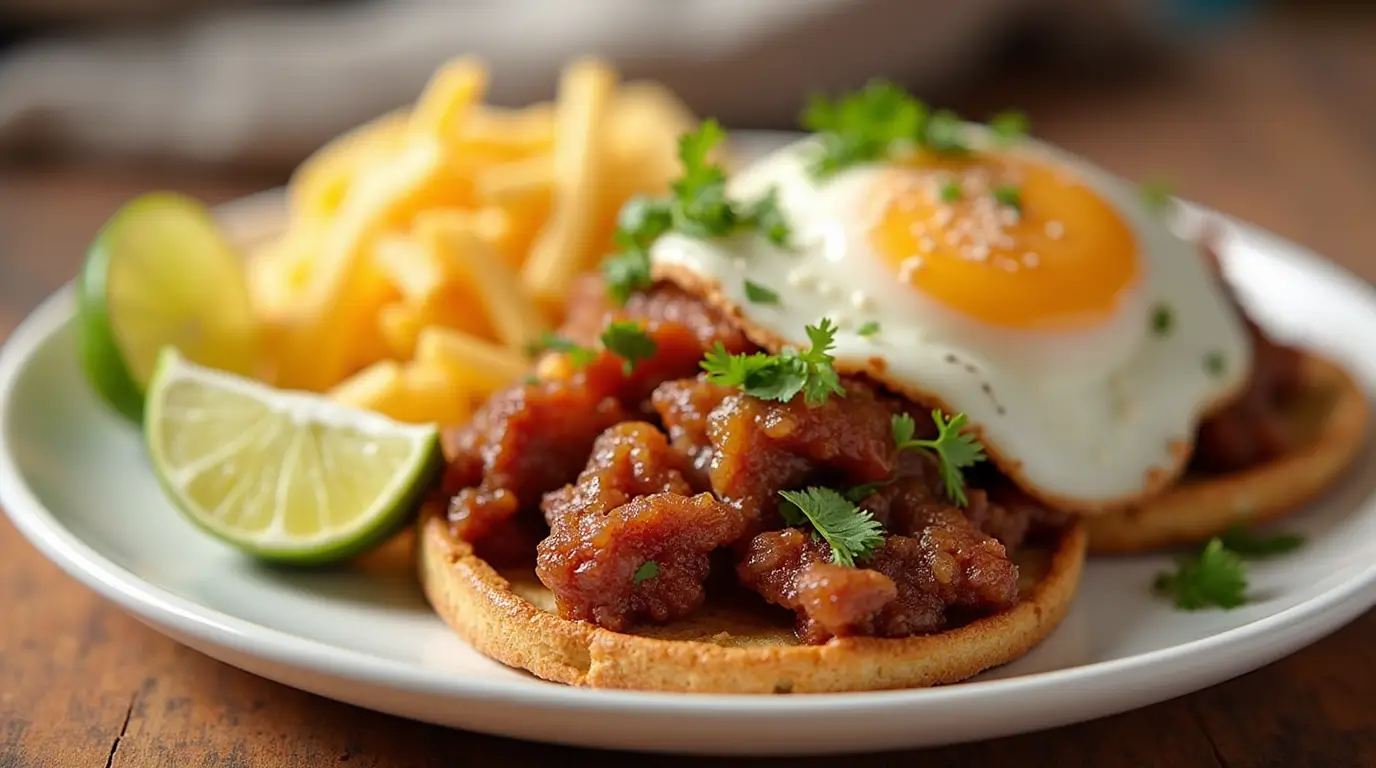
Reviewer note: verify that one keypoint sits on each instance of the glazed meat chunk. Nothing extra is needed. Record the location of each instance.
(628, 509)
(763, 447)
(683, 407)
(524, 442)
(1252, 429)
(908, 586)
(589, 311)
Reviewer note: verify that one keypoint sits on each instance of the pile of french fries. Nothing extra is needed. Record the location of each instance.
(426, 250)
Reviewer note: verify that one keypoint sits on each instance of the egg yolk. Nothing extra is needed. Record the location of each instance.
(1005, 240)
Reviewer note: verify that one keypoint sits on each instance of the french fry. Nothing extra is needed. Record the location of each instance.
(447, 99)
(516, 183)
(318, 186)
(480, 365)
(515, 318)
(432, 395)
(508, 133)
(377, 388)
(563, 248)
(417, 272)
(316, 346)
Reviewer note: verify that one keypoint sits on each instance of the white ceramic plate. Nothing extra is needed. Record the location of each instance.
(74, 480)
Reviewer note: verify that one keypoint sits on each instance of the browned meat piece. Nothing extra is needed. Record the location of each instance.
(628, 460)
(842, 601)
(764, 447)
(667, 303)
(627, 509)
(1251, 430)
(589, 311)
(946, 564)
(683, 408)
(524, 442)
(678, 354)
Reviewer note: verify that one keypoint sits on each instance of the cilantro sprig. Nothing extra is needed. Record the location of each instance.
(697, 206)
(628, 341)
(647, 570)
(954, 451)
(851, 532)
(781, 377)
(1248, 544)
(1216, 576)
(579, 355)
(882, 120)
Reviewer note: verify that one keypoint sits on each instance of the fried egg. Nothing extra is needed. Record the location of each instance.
(1017, 283)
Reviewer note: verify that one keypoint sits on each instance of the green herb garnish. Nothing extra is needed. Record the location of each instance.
(953, 450)
(870, 328)
(780, 377)
(759, 294)
(950, 192)
(945, 133)
(697, 207)
(579, 355)
(866, 125)
(1214, 363)
(1009, 126)
(1009, 196)
(1162, 319)
(1250, 545)
(851, 532)
(647, 570)
(1214, 577)
(1156, 194)
(628, 341)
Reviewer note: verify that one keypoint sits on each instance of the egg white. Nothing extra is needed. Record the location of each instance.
(1087, 420)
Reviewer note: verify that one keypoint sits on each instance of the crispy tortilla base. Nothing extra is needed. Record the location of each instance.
(723, 648)
(1330, 423)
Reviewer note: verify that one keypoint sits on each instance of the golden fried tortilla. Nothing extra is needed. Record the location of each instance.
(722, 648)
(1330, 423)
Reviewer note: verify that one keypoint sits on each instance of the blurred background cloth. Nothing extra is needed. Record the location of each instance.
(264, 83)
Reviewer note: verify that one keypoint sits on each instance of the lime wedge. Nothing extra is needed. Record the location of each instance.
(286, 476)
(160, 273)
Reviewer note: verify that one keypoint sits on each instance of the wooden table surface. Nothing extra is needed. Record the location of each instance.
(1277, 126)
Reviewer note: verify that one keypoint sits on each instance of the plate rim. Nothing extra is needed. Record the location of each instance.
(148, 601)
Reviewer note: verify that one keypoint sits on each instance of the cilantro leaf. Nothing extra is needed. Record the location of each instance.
(950, 192)
(766, 216)
(697, 207)
(1215, 577)
(863, 126)
(945, 133)
(1156, 194)
(1162, 319)
(953, 450)
(759, 294)
(781, 377)
(1214, 363)
(647, 570)
(870, 328)
(579, 355)
(1009, 126)
(851, 532)
(1250, 545)
(858, 493)
(626, 272)
(628, 341)
(1010, 196)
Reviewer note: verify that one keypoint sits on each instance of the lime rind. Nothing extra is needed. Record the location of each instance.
(160, 272)
(390, 510)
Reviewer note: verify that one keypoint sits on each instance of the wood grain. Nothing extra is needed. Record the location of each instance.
(1277, 126)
